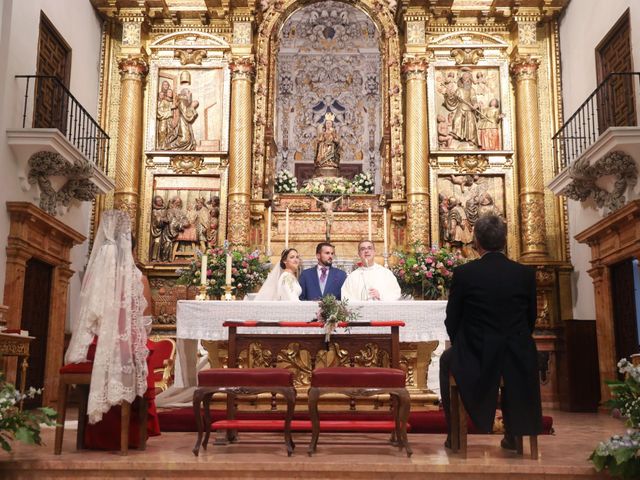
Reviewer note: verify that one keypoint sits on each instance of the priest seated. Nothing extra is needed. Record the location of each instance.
(371, 281)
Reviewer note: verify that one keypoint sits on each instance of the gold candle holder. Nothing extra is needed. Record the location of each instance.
(202, 293)
(227, 296)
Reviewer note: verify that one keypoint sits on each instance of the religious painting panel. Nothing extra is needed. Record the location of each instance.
(328, 109)
(462, 199)
(184, 216)
(188, 95)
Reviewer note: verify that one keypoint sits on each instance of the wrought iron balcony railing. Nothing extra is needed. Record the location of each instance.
(49, 104)
(612, 104)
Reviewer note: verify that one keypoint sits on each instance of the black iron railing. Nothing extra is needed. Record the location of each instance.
(49, 104)
(612, 104)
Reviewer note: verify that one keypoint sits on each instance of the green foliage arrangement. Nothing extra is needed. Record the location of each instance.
(21, 425)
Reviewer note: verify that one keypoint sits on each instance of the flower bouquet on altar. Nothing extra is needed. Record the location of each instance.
(248, 271)
(332, 312)
(426, 272)
(285, 182)
(23, 425)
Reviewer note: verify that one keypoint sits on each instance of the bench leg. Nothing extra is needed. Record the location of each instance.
(144, 414)
(290, 397)
(63, 390)
(125, 417)
(206, 405)
(82, 415)
(454, 416)
(395, 439)
(533, 443)
(197, 415)
(404, 405)
(314, 395)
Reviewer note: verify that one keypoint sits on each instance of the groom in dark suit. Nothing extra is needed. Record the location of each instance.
(323, 279)
(491, 315)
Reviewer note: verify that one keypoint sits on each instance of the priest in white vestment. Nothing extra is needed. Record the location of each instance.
(371, 281)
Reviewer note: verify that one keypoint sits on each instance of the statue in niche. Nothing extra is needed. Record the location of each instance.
(327, 150)
(464, 105)
(182, 137)
(164, 116)
(214, 220)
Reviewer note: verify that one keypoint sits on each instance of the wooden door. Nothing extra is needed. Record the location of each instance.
(624, 309)
(616, 104)
(35, 319)
(54, 59)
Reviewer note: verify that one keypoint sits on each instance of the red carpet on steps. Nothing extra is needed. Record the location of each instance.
(181, 419)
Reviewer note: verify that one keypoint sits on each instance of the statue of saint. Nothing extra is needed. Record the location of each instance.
(464, 105)
(327, 150)
(164, 116)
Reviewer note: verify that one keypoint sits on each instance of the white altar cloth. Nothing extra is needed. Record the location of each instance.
(202, 320)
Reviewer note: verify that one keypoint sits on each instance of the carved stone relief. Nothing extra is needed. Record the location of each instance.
(78, 186)
(585, 180)
(329, 63)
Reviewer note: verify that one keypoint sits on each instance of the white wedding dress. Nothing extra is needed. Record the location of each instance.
(280, 285)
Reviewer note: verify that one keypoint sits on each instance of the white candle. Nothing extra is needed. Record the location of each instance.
(370, 224)
(286, 229)
(269, 229)
(203, 271)
(384, 229)
(227, 277)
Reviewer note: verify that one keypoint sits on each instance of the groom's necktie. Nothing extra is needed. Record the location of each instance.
(323, 279)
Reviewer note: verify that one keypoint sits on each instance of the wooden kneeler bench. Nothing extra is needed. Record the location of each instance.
(459, 429)
(362, 382)
(242, 381)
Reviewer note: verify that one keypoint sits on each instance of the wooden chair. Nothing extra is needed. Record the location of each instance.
(161, 363)
(80, 374)
(459, 429)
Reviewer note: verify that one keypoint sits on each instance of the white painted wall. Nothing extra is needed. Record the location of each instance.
(584, 24)
(79, 25)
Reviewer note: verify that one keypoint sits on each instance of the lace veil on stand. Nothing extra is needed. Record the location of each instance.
(111, 306)
(269, 289)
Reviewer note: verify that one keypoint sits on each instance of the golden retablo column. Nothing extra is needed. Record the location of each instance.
(242, 74)
(416, 150)
(532, 213)
(129, 149)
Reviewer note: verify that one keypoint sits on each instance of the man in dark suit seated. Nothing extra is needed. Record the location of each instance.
(323, 279)
(491, 315)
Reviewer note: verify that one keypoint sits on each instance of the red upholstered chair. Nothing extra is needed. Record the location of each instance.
(162, 362)
(459, 427)
(240, 381)
(359, 382)
(80, 374)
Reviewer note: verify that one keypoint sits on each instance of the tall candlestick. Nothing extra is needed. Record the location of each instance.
(370, 223)
(203, 270)
(227, 277)
(269, 231)
(286, 229)
(384, 229)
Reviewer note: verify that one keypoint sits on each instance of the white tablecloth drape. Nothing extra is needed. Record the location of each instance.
(197, 320)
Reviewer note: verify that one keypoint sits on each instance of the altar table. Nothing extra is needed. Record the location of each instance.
(203, 320)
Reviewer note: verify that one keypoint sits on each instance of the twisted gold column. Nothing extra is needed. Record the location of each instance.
(416, 150)
(532, 214)
(129, 148)
(242, 73)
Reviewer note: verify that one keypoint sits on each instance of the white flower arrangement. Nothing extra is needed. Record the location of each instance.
(327, 185)
(362, 183)
(285, 182)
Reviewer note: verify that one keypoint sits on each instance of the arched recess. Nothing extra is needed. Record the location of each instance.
(392, 141)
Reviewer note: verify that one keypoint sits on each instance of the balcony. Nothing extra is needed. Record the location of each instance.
(60, 149)
(598, 148)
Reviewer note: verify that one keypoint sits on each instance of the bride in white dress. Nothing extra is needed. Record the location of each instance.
(282, 282)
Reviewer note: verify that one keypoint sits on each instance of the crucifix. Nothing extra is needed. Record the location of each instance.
(328, 207)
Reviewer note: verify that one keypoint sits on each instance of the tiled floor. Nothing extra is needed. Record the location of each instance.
(257, 455)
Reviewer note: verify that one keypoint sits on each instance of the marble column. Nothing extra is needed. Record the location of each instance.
(532, 212)
(416, 150)
(129, 149)
(242, 74)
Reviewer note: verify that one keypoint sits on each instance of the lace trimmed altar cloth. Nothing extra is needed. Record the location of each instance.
(197, 320)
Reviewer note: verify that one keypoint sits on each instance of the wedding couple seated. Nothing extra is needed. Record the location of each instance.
(370, 281)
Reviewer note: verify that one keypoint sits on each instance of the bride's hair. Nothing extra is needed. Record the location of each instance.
(285, 254)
